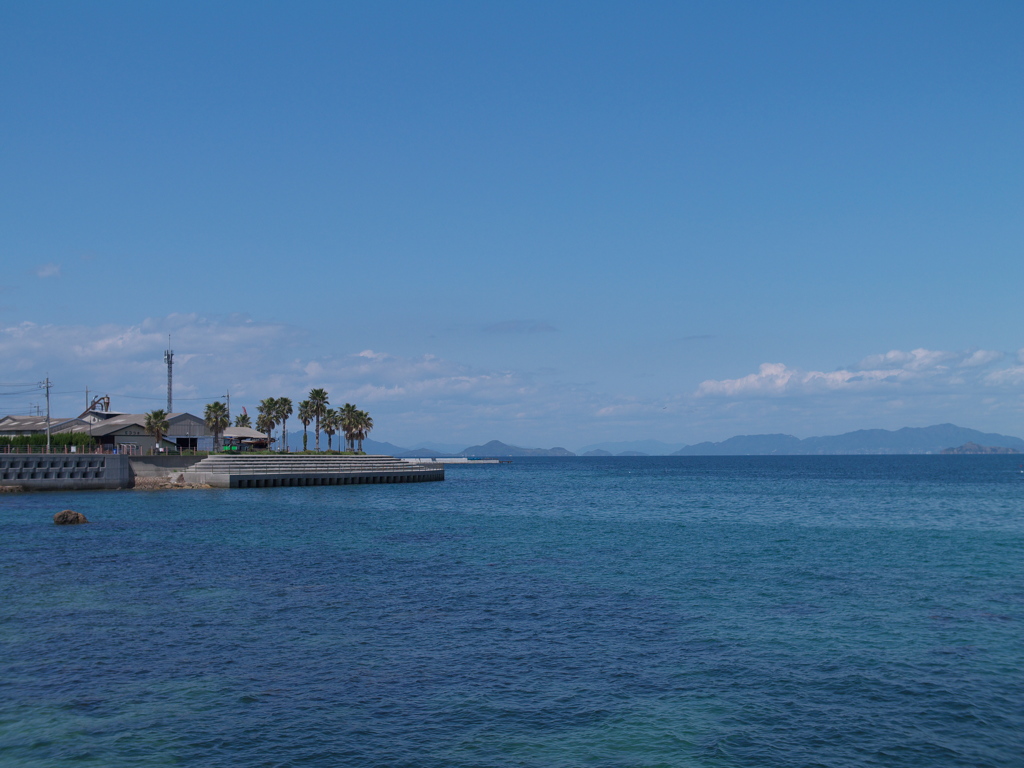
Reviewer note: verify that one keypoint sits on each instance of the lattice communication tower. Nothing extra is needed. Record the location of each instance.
(169, 359)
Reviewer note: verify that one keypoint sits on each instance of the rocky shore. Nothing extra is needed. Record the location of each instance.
(165, 483)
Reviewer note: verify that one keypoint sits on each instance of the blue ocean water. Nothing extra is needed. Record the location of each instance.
(761, 611)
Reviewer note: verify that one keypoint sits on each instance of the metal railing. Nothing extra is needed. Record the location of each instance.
(72, 450)
(391, 471)
(219, 465)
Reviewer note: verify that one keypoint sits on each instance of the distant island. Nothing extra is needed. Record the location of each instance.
(974, 448)
(936, 439)
(495, 449)
(909, 440)
(602, 452)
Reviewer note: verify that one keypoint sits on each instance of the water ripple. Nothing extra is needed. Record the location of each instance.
(862, 611)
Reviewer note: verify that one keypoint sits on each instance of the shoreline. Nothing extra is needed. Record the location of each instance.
(101, 472)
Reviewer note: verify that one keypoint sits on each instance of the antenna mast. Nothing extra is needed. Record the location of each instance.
(169, 359)
(47, 385)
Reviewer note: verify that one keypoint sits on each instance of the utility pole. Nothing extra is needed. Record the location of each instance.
(169, 359)
(228, 397)
(47, 385)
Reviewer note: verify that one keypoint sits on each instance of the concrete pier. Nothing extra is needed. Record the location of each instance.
(273, 471)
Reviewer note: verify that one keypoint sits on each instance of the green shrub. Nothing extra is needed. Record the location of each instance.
(57, 440)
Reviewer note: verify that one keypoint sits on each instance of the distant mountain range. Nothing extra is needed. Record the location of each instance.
(497, 449)
(375, 446)
(494, 449)
(933, 439)
(864, 441)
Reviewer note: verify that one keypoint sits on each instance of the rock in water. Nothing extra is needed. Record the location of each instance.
(69, 517)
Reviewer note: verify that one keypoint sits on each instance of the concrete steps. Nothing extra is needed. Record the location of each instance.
(275, 470)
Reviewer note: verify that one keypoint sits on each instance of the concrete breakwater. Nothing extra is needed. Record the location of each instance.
(64, 471)
(97, 471)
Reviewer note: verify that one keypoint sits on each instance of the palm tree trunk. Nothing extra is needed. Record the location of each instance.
(305, 439)
(318, 434)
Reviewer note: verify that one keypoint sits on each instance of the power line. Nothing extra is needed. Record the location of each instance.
(133, 397)
(115, 394)
(148, 397)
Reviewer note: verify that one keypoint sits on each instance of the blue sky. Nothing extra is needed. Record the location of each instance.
(541, 223)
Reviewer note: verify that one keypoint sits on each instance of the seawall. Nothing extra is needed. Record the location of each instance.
(70, 472)
(65, 471)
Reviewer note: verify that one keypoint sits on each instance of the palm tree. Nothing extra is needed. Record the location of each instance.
(243, 420)
(217, 420)
(348, 424)
(284, 410)
(265, 425)
(157, 425)
(365, 424)
(319, 402)
(331, 422)
(267, 419)
(305, 416)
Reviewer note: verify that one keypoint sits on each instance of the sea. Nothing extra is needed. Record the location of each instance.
(647, 611)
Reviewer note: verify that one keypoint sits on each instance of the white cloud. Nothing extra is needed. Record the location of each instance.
(213, 353)
(1006, 377)
(981, 358)
(48, 270)
(915, 360)
(892, 371)
(778, 379)
(425, 397)
(258, 360)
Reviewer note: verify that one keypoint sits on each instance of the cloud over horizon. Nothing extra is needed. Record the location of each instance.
(888, 372)
(898, 388)
(427, 396)
(256, 360)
